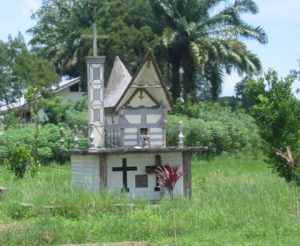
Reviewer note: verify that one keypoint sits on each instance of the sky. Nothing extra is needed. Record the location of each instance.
(280, 19)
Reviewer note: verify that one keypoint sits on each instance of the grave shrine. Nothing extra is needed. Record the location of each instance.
(127, 132)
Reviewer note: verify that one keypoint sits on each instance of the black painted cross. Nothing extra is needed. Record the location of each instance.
(124, 169)
(151, 170)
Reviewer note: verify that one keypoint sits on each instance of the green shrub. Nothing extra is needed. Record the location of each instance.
(214, 126)
(79, 118)
(48, 145)
(19, 160)
(277, 114)
(55, 109)
(11, 120)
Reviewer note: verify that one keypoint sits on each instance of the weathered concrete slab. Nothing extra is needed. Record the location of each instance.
(111, 244)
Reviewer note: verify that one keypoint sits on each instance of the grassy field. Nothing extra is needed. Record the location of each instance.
(235, 202)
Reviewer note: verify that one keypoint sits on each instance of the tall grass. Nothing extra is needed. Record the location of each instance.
(234, 202)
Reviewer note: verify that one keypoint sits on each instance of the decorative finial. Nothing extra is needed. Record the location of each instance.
(62, 138)
(92, 137)
(76, 139)
(180, 136)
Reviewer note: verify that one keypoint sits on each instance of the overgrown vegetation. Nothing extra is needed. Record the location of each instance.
(48, 144)
(277, 113)
(205, 124)
(215, 126)
(19, 160)
(234, 202)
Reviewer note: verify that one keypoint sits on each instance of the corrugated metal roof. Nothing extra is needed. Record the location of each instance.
(118, 82)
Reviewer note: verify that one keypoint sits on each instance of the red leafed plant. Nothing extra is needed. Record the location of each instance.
(294, 164)
(168, 175)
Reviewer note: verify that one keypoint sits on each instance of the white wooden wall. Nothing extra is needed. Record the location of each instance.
(66, 95)
(85, 172)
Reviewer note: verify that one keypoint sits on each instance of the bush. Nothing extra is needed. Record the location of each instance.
(277, 114)
(79, 118)
(214, 126)
(49, 142)
(11, 120)
(19, 160)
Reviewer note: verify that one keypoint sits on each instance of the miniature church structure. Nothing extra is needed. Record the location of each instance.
(127, 133)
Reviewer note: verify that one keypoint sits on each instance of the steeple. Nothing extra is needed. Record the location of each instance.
(95, 79)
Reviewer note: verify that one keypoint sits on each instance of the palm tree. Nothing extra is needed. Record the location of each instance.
(204, 42)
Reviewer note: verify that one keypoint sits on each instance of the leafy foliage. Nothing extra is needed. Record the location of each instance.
(168, 176)
(185, 35)
(293, 162)
(277, 114)
(55, 109)
(204, 42)
(19, 160)
(48, 144)
(60, 24)
(214, 126)
(10, 85)
(11, 120)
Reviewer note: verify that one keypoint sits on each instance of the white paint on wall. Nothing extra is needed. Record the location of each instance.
(133, 136)
(67, 95)
(128, 143)
(130, 130)
(85, 172)
(134, 119)
(152, 119)
(146, 101)
(156, 130)
(140, 160)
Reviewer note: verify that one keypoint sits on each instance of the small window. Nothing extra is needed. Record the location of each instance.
(74, 88)
(141, 181)
(143, 131)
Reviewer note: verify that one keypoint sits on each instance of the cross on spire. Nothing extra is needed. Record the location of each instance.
(95, 37)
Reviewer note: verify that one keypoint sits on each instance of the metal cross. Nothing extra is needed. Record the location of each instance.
(95, 37)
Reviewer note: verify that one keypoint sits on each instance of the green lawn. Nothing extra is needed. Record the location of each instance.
(235, 202)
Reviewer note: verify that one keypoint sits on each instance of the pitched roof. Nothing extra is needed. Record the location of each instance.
(119, 80)
(149, 78)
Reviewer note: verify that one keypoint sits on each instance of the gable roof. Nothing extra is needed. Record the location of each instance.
(149, 78)
(118, 81)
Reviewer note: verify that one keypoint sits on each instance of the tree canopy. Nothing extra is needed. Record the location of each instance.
(204, 42)
(21, 69)
(10, 86)
(277, 113)
(194, 43)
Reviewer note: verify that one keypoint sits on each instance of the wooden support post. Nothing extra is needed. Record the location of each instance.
(187, 179)
(103, 170)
